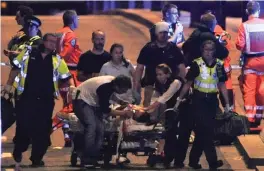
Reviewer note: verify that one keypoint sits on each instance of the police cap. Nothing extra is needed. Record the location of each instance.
(32, 20)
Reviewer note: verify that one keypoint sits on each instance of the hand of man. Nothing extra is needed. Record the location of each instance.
(178, 29)
(6, 91)
(69, 94)
(9, 52)
(227, 108)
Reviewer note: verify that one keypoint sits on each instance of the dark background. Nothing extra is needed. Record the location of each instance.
(220, 8)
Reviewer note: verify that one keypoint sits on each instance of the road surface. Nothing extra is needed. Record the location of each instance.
(118, 29)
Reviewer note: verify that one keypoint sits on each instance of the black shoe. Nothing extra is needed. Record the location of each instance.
(166, 165)
(167, 162)
(37, 164)
(178, 165)
(195, 166)
(217, 164)
(17, 157)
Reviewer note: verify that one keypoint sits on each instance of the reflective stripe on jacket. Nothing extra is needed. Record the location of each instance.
(60, 71)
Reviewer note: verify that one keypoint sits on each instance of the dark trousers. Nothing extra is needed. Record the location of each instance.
(34, 125)
(184, 133)
(176, 147)
(204, 110)
(91, 119)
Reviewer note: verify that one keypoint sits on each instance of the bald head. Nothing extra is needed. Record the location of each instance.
(96, 33)
(98, 39)
(253, 7)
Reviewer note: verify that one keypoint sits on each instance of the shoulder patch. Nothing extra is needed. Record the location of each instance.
(73, 42)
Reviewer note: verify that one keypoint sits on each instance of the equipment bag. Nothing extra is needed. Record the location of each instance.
(232, 124)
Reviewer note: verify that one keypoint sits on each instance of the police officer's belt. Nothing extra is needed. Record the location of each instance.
(202, 94)
(254, 55)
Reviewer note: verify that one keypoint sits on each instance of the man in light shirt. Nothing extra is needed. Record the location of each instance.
(91, 102)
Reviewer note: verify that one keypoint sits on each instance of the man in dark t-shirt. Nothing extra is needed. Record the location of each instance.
(153, 54)
(91, 62)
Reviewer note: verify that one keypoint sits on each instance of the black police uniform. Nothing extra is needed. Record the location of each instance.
(204, 107)
(9, 121)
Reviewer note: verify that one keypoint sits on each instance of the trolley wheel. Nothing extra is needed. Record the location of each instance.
(152, 161)
(74, 159)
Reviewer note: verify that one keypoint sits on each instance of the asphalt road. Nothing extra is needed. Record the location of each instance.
(118, 29)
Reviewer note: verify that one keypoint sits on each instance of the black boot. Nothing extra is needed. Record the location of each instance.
(178, 165)
(217, 164)
(37, 164)
(195, 166)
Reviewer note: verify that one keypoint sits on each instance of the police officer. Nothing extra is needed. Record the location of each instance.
(170, 15)
(24, 36)
(35, 77)
(30, 38)
(206, 73)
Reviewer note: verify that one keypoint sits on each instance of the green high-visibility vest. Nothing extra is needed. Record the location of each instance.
(207, 80)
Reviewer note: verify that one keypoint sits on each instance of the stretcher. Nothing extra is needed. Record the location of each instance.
(122, 136)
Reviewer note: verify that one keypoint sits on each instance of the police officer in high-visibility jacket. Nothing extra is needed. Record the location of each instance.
(208, 75)
(225, 39)
(250, 41)
(69, 49)
(27, 36)
(35, 76)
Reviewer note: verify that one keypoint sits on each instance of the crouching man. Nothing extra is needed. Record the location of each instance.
(91, 101)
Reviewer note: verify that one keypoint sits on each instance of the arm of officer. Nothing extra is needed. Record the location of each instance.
(241, 38)
(64, 73)
(12, 75)
(222, 77)
(16, 65)
(68, 45)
